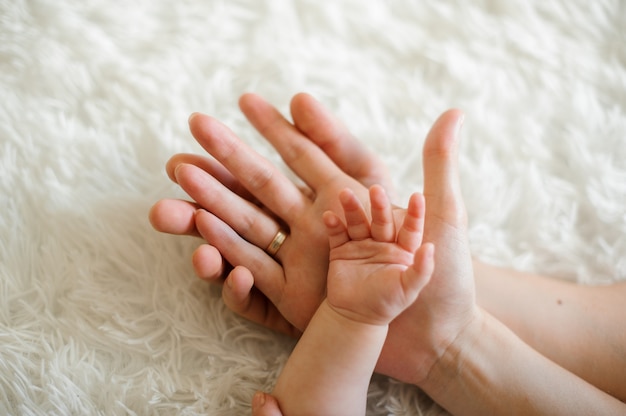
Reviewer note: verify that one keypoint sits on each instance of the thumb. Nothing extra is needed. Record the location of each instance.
(416, 277)
(265, 405)
(442, 189)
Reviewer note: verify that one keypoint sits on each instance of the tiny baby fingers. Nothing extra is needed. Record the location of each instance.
(412, 230)
(357, 223)
(382, 228)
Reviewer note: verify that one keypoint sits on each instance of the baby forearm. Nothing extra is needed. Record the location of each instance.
(330, 368)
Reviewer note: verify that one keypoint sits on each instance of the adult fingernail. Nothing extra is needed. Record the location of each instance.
(177, 170)
(192, 116)
(459, 123)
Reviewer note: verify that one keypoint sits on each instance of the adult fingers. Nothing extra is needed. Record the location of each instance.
(256, 174)
(174, 216)
(241, 297)
(209, 165)
(208, 263)
(268, 274)
(247, 219)
(304, 157)
(335, 140)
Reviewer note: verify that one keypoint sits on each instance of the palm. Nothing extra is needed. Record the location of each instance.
(374, 271)
(364, 280)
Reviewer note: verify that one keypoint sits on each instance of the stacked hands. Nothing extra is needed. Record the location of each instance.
(401, 281)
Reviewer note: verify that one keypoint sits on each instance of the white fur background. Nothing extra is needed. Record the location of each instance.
(99, 314)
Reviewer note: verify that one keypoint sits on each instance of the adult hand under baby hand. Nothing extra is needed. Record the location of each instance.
(246, 200)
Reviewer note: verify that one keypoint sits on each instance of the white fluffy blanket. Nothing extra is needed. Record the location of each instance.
(100, 314)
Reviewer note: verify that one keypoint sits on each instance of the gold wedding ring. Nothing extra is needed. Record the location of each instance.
(276, 243)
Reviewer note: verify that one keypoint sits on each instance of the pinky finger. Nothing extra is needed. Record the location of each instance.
(241, 297)
(237, 287)
(208, 263)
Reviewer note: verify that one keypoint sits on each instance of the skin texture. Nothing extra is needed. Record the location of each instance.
(466, 360)
(288, 288)
(317, 144)
(374, 274)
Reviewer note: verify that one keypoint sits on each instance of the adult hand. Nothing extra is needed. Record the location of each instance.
(458, 354)
(314, 122)
(237, 229)
(239, 189)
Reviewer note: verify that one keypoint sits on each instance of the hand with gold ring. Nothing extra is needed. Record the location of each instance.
(245, 201)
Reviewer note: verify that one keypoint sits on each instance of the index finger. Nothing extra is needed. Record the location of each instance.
(255, 173)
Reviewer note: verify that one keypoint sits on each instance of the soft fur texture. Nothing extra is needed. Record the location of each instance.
(100, 314)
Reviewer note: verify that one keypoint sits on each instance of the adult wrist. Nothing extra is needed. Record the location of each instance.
(449, 362)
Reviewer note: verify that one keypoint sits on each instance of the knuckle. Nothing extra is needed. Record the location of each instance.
(260, 178)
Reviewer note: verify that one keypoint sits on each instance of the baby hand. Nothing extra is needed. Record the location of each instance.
(376, 271)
